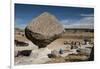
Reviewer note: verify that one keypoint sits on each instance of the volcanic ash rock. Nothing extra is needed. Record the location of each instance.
(43, 30)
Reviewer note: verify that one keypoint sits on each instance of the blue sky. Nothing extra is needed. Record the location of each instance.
(70, 17)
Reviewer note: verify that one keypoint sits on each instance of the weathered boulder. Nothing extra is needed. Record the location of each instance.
(55, 53)
(23, 53)
(43, 30)
(85, 51)
(20, 43)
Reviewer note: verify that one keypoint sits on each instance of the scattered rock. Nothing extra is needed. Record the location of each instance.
(55, 53)
(24, 53)
(20, 43)
(73, 51)
(85, 51)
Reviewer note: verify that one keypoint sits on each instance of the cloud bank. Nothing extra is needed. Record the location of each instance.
(85, 22)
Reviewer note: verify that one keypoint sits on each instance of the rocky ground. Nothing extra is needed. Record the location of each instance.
(51, 53)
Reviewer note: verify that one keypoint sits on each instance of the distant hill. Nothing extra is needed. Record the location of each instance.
(18, 29)
(79, 30)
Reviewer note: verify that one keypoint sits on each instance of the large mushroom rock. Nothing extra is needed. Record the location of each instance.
(44, 29)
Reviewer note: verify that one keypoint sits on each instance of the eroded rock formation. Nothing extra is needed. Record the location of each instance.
(44, 29)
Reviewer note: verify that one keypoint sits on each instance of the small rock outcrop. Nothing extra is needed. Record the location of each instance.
(44, 29)
(20, 43)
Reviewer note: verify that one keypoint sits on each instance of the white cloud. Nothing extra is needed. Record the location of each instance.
(19, 23)
(21, 26)
(65, 21)
(87, 15)
(86, 22)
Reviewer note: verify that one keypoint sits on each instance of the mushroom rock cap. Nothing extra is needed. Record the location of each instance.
(43, 29)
